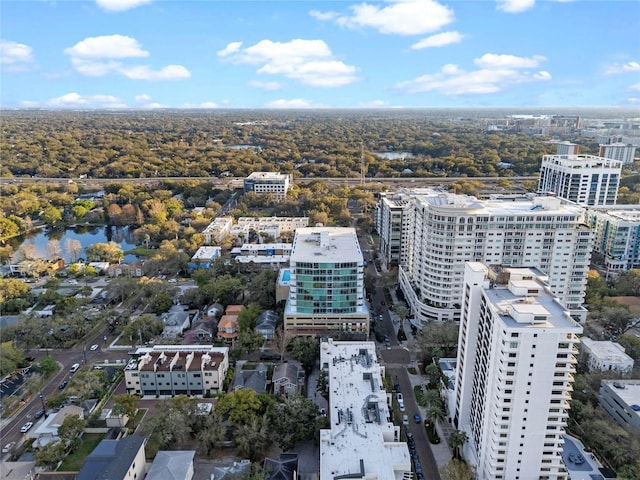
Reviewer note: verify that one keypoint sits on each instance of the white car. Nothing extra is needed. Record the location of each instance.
(26, 427)
(94, 347)
(73, 282)
(7, 448)
(405, 420)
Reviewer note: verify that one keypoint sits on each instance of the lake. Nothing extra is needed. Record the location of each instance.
(85, 235)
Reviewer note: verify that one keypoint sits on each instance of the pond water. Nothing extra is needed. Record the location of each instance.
(85, 235)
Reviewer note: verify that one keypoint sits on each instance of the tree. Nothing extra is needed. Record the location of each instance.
(247, 317)
(293, 420)
(251, 438)
(239, 406)
(11, 288)
(54, 250)
(125, 404)
(105, 252)
(52, 215)
(457, 470)
(10, 358)
(73, 248)
(456, 440)
(435, 413)
(307, 351)
(143, 328)
(27, 251)
(212, 433)
(50, 455)
(47, 366)
(71, 429)
(8, 229)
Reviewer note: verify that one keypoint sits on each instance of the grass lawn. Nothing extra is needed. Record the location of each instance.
(74, 461)
(632, 302)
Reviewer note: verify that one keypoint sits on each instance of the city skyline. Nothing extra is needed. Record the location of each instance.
(144, 54)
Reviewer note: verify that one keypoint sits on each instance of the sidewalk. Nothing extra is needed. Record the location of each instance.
(441, 451)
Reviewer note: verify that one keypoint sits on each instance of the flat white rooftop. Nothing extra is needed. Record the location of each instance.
(629, 393)
(326, 245)
(606, 350)
(362, 439)
(206, 253)
(268, 176)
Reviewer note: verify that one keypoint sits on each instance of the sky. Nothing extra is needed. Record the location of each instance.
(146, 54)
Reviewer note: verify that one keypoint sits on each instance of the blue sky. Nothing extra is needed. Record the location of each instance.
(294, 54)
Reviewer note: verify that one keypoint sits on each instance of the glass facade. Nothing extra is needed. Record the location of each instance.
(327, 287)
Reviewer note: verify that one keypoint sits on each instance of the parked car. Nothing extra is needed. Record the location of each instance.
(7, 448)
(417, 418)
(405, 420)
(39, 413)
(25, 428)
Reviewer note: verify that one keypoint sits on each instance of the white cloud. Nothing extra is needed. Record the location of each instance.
(492, 60)
(74, 100)
(15, 57)
(617, 68)
(515, 6)
(107, 46)
(98, 56)
(398, 17)
(232, 47)
(308, 61)
(633, 100)
(293, 103)
(268, 86)
(144, 72)
(143, 97)
(635, 86)
(497, 73)
(323, 15)
(208, 105)
(438, 40)
(120, 5)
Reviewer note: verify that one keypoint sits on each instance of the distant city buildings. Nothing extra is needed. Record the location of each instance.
(268, 183)
(442, 231)
(617, 236)
(583, 179)
(261, 227)
(362, 440)
(268, 254)
(169, 370)
(623, 152)
(326, 283)
(516, 360)
(606, 356)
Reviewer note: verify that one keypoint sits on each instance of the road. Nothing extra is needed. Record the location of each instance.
(237, 182)
(10, 427)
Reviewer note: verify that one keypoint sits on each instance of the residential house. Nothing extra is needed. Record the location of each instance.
(288, 378)
(606, 356)
(175, 321)
(266, 324)
(172, 465)
(122, 459)
(284, 467)
(234, 309)
(51, 424)
(255, 379)
(228, 329)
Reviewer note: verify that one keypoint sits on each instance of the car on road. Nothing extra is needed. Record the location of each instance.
(405, 420)
(7, 448)
(63, 384)
(416, 418)
(388, 345)
(383, 303)
(39, 413)
(26, 427)
(94, 347)
(401, 402)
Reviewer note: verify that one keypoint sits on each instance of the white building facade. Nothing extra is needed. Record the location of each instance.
(447, 230)
(583, 179)
(326, 283)
(362, 441)
(268, 183)
(623, 152)
(516, 359)
(606, 356)
(392, 224)
(617, 236)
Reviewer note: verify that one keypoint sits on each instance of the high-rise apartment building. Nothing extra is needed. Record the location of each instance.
(392, 223)
(624, 152)
(567, 148)
(362, 440)
(268, 183)
(584, 179)
(516, 359)
(326, 284)
(617, 236)
(447, 230)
